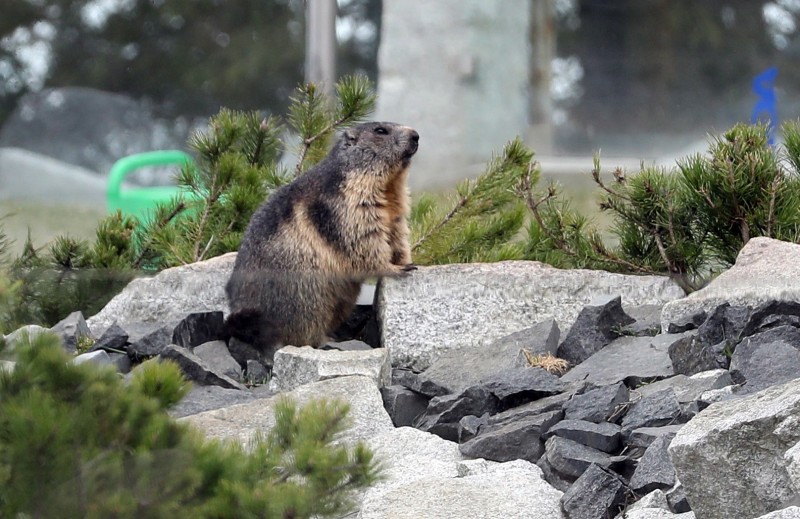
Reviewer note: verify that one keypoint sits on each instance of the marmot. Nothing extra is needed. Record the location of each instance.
(309, 247)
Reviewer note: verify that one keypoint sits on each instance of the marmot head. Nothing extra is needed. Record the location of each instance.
(383, 147)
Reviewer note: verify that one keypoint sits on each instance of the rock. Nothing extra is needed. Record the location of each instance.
(72, 329)
(570, 459)
(764, 271)
(602, 436)
(243, 353)
(152, 342)
(297, 366)
(216, 356)
(402, 404)
(415, 382)
(655, 499)
(458, 369)
(690, 388)
(205, 398)
(772, 314)
(240, 422)
(767, 358)
(647, 321)
(169, 295)
(597, 405)
(30, 331)
(493, 494)
(444, 412)
(655, 470)
(792, 512)
(597, 494)
(198, 328)
(656, 513)
(597, 324)
(724, 324)
(542, 405)
(114, 338)
(198, 371)
(351, 345)
(452, 307)
(470, 425)
(515, 440)
(6, 366)
(643, 437)
(685, 323)
(654, 410)
(678, 503)
(121, 361)
(630, 359)
(792, 458)
(717, 395)
(98, 358)
(255, 373)
(716, 454)
(91, 128)
(517, 386)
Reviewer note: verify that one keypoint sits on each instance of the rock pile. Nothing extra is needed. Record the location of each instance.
(690, 410)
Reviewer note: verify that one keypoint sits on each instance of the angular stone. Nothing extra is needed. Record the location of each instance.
(30, 331)
(98, 358)
(602, 436)
(678, 503)
(516, 440)
(597, 494)
(767, 358)
(444, 412)
(114, 338)
(596, 405)
(198, 328)
(451, 307)
(297, 366)
(150, 343)
(350, 345)
(772, 314)
(792, 512)
(196, 370)
(689, 388)
(206, 398)
(655, 513)
(716, 452)
(415, 382)
(121, 361)
(458, 369)
(765, 270)
(169, 295)
(654, 410)
(255, 373)
(403, 405)
(570, 459)
(542, 405)
(215, 354)
(647, 321)
(724, 324)
(243, 353)
(470, 425)
(597, 325)
(717, 395)
(241, 422)
(643, 437)
(685, 323)
(690, 356)
(517, 386)
(553, 477)
(655, 499)
(655, 470)
(71, 330)
(630, 359)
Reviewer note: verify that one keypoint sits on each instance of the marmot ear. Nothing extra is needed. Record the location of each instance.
(349, 137)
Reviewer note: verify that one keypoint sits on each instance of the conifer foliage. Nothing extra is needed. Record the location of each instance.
(75, 441)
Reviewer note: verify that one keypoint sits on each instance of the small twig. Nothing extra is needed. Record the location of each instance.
(311, 140)
(772, 196)
(449, 216)
(175, 212)
(207, 247)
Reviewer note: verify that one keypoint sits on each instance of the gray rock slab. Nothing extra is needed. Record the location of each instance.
(765, 270)
(602, 436)
(597, 494)
(655, 499)
(716, 452)
(516, 386)
(642, 437)
(71, 330)
(542, 405)
(654, 470)
(691, 355)
(597, 405)
(470, 425)
(98, 358)
(516, 440)
(196, 370)
(205, 398)
(791, 512)
(655, 513)
(570, 459)
(169, 295)
(647, 320)
(114, 338)
(216, 355)
(458, 369)
(453, 307)
(240, 422)
(689, 388)
(402, 404)
(770, 315)
(444, 412)
(766, 359)
(597, 324)
(654, 410)
(30, 331)
(148, 339)
(629, 359)
(297, 366)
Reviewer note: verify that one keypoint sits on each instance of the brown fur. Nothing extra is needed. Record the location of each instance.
(309, 247)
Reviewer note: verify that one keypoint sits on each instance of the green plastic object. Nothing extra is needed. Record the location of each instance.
(137, 201)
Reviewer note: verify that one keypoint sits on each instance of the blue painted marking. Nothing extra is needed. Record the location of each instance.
(764, 88)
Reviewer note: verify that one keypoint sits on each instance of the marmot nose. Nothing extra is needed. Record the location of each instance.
(414, 136)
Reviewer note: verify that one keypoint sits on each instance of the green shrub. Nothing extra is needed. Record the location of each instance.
(75, 441)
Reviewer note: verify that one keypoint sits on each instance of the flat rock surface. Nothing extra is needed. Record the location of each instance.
(765, 269)
(240, 422)
(453, 307)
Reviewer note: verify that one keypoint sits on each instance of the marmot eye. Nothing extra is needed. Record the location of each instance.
(380, 130)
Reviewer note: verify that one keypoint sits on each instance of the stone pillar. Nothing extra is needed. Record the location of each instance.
(458, 72)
